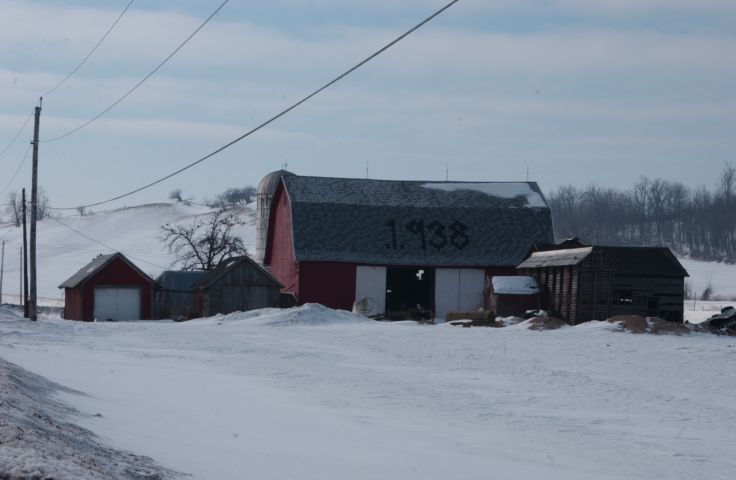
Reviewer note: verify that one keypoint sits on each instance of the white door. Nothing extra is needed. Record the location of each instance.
(457, 289)
(117, 303)
(370, 283)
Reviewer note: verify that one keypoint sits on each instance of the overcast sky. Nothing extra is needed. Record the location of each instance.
(578, 91)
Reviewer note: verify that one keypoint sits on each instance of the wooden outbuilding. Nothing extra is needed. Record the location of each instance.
(400, 246)
(513, 295)
(598, 282)
(110, 287)
(236, 284)
(175, 297)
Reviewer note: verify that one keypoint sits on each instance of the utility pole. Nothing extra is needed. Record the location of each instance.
(33, 310)
(20, 276)
(2, 270)
(24, 270)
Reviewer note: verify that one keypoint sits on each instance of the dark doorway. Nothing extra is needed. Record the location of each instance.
(409, 289)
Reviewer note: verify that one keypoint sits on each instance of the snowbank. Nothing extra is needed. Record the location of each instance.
(308, 314)
(38, 441)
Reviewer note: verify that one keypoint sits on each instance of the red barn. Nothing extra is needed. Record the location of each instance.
(110, 287)
(400, 244)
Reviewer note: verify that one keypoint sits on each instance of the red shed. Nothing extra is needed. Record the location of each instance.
(110, 287)
(400, 245)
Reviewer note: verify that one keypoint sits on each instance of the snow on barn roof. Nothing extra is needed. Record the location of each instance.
(518, 285)
(394, 222)
(652, 261)
(557, 258)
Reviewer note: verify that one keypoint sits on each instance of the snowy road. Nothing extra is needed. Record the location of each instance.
(315, 394)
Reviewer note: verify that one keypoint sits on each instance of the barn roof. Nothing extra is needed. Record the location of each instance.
(556, 258)
(228, 265)
(648, 261)
(640, 261)
(95, 266)
(393, 222)
(179, 280)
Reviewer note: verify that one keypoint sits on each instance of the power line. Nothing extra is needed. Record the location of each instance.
(135, 87)
(69, 75)
(20, 165)
(91, 51)
(273, 118)
(12, 142)
(102, 244)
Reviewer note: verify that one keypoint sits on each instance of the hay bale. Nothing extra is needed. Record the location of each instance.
(652, 325)
(546, 323)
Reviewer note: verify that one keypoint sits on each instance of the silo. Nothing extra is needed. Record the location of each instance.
(264, 195)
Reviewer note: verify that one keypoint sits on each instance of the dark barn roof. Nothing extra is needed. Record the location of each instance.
(416, 222)
(228, 265)
(97, 264)
(179, 280)
(646, 261)
(639, 261)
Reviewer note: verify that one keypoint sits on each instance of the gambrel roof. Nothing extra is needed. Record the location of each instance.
(388, 222)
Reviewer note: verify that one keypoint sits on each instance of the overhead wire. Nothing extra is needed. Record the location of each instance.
(102, 244)
(135, 87)
(273, 118)
(17, 170)
(12, 142)
(69, 75)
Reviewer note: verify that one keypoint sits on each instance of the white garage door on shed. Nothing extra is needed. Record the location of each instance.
(117, 303)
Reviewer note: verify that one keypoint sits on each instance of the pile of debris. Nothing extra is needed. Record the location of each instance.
(722, 323)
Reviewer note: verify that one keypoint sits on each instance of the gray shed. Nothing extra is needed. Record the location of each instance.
(175, 296)
(236, 284)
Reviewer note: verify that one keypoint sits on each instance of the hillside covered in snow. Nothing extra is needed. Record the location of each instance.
(68, 243)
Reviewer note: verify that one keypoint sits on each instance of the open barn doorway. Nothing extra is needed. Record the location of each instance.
(410, 292)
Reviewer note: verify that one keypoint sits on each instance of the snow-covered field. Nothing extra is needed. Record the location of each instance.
(135, 231)
(312, 393)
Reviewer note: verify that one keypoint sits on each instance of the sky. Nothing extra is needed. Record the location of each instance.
(571, 91)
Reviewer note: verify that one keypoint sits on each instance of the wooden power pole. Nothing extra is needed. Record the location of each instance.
(2, 270)
(24, 290)
(33, 307)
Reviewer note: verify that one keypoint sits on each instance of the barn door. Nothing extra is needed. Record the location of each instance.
(370, 283)
(458, 289)
(117, 303)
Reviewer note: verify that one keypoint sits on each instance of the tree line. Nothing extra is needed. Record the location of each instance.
(698, 222)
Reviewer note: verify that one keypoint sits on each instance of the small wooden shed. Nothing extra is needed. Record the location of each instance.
(175, 297)
(513, 295)
(236, 284)
(598, 282)
(110, 287)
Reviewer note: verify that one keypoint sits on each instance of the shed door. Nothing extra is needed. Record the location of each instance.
(370, 282)
(115, 303)
(458, 289)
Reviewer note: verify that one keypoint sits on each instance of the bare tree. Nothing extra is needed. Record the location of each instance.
(15, 208)
(204, 243)
(42, 206)
(176, 195)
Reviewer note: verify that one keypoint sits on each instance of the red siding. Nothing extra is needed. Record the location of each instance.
(117, 273)
(73, 304)
(280, 244)
(330, 283)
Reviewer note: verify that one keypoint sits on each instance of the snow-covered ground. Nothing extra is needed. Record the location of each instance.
(312, 393)
(721, 276)
(135, 231)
